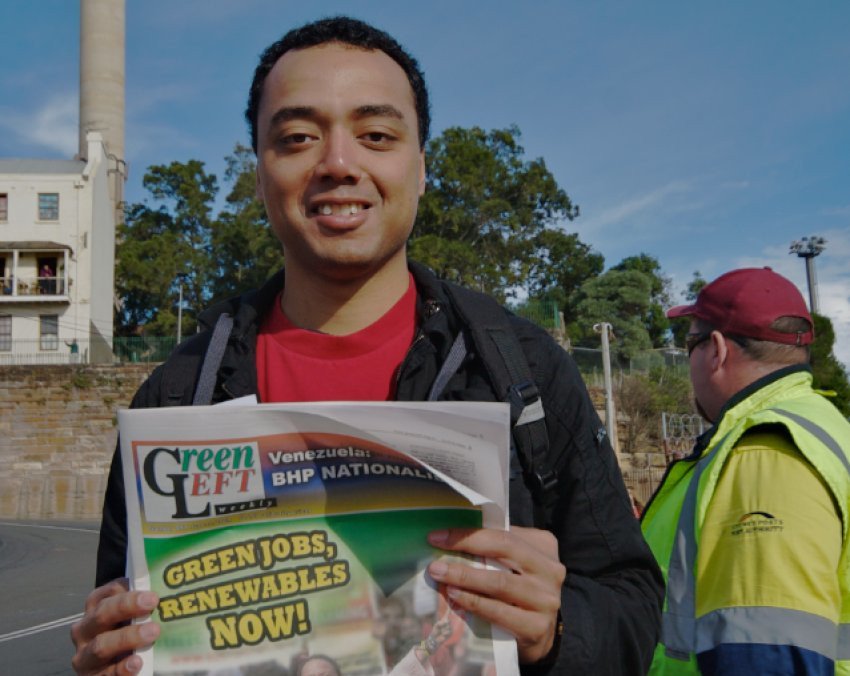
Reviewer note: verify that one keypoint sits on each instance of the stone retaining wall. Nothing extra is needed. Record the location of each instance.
(57, 435)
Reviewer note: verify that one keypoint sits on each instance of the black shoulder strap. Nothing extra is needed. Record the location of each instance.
(487, 325)
(212, 360)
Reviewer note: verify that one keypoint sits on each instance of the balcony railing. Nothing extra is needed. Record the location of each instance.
(33, 286)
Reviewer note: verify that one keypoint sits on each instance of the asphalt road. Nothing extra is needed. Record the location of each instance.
(46, 572)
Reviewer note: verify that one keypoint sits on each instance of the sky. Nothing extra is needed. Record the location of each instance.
(709, 135)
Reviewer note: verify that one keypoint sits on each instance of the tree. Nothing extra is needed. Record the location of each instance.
(245, 251)
(163, 247)
(643, 397)
(560, 265)
(680, 325)
(620, 297)
(695, 286)
(484, 208)
(829, 374)
(175, 240)
(654, 318)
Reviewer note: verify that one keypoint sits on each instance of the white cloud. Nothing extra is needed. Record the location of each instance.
(619, 213)
(53, 126)
(836, 211)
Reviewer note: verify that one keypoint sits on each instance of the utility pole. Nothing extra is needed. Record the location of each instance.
(809, 248)
(604, 328)
(180, 314)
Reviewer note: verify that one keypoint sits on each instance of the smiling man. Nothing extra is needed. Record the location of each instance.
(752, 529)
(339, 119)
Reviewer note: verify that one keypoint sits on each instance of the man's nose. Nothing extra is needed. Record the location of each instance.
(339, 159)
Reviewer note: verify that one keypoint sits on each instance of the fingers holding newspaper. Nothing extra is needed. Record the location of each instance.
(104, 638)
(524, 599)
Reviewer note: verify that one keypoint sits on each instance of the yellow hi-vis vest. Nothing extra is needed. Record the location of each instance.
(674, 518)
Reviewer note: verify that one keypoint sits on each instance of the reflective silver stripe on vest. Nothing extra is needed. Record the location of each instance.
(819, 432)
(843, 642)
(771, 626)
(678, 624)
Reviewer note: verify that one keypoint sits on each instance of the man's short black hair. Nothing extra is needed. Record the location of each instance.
(347, 31)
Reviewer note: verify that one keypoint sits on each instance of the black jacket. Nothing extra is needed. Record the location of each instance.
(611, 600)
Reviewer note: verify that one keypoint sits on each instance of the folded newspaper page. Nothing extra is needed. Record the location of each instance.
(282, 534)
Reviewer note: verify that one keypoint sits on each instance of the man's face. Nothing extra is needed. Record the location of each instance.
(339, 166)
(701, 374)
(317, 666)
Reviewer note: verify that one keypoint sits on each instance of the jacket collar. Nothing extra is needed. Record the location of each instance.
(238, 371)
(753, 396)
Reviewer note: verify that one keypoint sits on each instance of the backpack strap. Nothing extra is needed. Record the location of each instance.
(486, 323)
(212, 360)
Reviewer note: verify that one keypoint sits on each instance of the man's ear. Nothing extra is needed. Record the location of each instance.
(719, 350)
(259, 186)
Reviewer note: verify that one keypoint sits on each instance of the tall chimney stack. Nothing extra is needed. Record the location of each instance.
(102, 75)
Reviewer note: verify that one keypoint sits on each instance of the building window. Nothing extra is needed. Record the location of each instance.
(4, 206)
(49, 332)
(5, 333)
(48, 206)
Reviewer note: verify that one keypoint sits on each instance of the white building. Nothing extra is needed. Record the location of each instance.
(57, 242)
(58, 218)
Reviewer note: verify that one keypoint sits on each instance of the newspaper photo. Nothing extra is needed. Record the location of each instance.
(278, 535)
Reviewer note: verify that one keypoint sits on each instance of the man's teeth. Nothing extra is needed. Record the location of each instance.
(339, 209)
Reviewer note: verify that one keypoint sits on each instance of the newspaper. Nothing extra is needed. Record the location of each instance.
(277, 533)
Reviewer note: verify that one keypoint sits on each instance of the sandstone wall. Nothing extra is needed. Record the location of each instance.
(57, 435)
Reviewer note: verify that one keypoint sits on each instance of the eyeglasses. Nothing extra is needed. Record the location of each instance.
(694, 339)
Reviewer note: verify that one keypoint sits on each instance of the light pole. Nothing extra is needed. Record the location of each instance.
(604, 329)
(808, 248)
(180, 314)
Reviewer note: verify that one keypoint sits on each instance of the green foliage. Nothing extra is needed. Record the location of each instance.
(680, 325)
(642, 397)
(484, 208)
(560, 265)
(161, 247)
(245, 252)
(622, 298)
(175, 241)
(695, 286)
(81, 380)
(654, 317)
(829, 373)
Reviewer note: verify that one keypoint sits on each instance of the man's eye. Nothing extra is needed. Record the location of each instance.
(295, 139)
(377, 138)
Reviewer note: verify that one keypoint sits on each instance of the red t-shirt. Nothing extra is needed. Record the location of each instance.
(294, 364)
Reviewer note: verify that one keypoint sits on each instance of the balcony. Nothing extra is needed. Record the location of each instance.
(34, 272)
(29, 289)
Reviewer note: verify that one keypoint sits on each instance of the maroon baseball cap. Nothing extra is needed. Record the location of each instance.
(746, 302)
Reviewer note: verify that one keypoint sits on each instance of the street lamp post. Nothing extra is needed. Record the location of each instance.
(808, 248)
(180, 314)
(605, 329)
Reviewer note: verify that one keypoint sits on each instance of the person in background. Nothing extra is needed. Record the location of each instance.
(752, 530)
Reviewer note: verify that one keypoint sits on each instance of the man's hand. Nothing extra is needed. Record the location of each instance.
(524, 599)
(104, 639)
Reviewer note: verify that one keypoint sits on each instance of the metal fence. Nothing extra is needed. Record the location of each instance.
(589, 362)
(50, 350)
(543, 313)
(140, 349)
